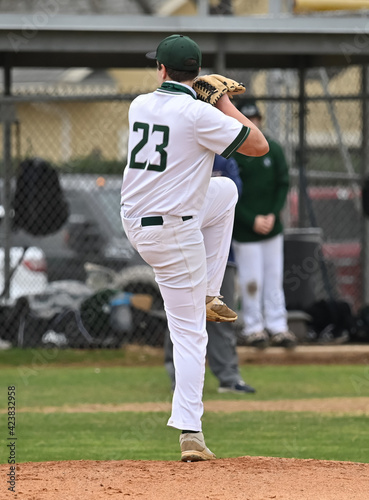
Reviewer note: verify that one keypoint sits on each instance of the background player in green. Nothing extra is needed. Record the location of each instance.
(258, 242)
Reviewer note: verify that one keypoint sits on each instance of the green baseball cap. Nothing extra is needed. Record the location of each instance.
(249, 108)
(178, 52)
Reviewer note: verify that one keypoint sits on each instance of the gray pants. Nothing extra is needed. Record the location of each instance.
(221, 349)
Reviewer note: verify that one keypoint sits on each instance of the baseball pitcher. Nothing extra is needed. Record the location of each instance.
(180, 218)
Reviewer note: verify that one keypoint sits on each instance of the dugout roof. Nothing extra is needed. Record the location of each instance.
(41, 40)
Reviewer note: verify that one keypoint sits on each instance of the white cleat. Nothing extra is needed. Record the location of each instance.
(193, 447)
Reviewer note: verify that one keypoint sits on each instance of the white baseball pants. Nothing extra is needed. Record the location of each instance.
(189, 259)
(260, 275)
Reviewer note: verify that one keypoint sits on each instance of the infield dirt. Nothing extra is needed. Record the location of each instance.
(246, 478)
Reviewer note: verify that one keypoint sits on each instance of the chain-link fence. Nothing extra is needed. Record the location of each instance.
(324, 149)
(83, 285)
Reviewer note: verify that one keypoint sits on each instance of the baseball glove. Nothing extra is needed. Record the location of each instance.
(210, 88)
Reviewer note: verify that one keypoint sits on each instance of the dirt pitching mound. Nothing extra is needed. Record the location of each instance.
(246, 478)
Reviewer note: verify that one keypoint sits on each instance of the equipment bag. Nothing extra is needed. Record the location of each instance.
(332, 320)
(39, 204)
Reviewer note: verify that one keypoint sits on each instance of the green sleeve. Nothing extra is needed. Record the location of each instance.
(282, 180)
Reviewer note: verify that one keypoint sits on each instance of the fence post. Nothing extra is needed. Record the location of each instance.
(203, 7)
(302, 145)
(7, 117)
(365, 173)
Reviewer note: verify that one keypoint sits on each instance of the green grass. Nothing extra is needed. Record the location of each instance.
(43, 381)
(56, 386)
(145, 436)
(38, 358)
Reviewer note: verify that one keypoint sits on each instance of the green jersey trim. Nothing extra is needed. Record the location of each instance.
(174, 88)
(242, 136)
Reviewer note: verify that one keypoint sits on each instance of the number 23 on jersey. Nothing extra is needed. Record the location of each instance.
(147, 137)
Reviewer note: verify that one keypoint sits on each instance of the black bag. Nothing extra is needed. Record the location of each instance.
(362, 323)
(87, 328)
(23, 328)
(107, 326)
(332, 321)
(39, 204)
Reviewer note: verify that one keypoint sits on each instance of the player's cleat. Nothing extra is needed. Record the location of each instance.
(283, 339)
(217, 310)
(328, 338)
(260, 340)
(239, 388)
(193, 448)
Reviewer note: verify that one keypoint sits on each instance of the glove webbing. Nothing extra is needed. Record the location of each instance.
(206, 86)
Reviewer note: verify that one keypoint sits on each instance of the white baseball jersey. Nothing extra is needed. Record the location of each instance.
(172, 141)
